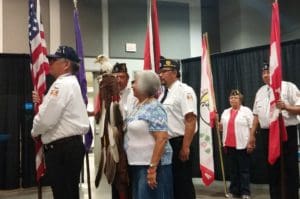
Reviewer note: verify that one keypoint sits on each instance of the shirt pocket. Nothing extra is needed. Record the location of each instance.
(261, 106)
(169, 104)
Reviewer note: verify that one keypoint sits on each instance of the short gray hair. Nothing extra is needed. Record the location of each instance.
(148, 82)
(74, 67)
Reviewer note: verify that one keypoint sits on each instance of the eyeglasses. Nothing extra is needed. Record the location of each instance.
(120, 76)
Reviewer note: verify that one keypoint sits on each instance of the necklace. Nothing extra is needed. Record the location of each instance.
(138, 106)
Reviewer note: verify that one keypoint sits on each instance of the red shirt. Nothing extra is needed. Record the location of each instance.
(230, 138)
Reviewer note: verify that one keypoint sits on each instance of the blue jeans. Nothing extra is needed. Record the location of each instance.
(140, 188)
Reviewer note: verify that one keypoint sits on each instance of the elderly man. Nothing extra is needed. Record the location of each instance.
(126, 100)
(126, 96)
(180, 102)
(289, 103)
(61, 122)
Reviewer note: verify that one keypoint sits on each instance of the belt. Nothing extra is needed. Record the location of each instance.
(62, 141)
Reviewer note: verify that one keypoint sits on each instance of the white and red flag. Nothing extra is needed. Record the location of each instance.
(277, 127)
(207, 116)
(43, 40)
(39, 67)
(152, 45)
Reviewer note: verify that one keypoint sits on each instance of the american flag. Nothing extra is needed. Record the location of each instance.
(152, 45)
(42, 33)
(39, 65)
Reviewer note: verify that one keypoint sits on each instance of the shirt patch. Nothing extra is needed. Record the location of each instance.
(54, 92)
(189, 97)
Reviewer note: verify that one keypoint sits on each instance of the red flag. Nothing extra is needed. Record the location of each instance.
(39, 65)
(207, 116)
(276, 123)
(152, 46)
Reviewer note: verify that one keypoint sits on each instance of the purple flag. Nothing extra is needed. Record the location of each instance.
(81, 74)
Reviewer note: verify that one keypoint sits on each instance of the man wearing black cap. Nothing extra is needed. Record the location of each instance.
(126, 96)
(61, 121)
(290, 97)
(180, 104)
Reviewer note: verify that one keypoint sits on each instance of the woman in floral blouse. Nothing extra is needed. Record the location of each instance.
(146, 142)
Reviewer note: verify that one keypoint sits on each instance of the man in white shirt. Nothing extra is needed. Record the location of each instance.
(290, 97)
(180, 104)
(126, 96)
(61, 121)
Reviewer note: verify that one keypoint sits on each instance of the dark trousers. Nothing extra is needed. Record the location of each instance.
(239, 161)
(64, 159)
(290, 164)
(182, 172)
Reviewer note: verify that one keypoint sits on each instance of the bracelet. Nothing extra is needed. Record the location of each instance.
(151, 170)
(152, 165)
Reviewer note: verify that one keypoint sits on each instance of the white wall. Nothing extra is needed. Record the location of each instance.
(195, 28)
(132, 64)
(1, 26)
(245, 23)
(54, 7)
(14, 33)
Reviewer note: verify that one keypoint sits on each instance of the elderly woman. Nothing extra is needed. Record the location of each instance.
(146, 142)
(236, 123)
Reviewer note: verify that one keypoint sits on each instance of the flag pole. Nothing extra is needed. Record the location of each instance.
(282, 172)
(221, 157)
(218, 132)
(40, 193)
(86, 150)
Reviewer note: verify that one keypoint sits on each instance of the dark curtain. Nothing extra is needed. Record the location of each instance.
(241, 70)
(15, 89)
(28, 150)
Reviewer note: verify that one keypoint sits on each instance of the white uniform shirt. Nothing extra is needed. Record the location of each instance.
(181, 99)
(127, 101)
(242, 125)
(289, 94)
(62, 113)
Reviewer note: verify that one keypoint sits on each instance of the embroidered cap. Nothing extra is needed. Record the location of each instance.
(169, 63)
(235, 92)
(265, 66)
(65, 52)
(119, 68)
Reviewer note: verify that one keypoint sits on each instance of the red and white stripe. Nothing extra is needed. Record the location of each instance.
(152, 44)
(39, 69)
